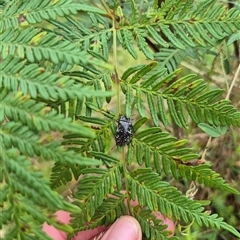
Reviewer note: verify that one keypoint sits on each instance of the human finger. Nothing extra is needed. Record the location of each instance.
(56, 234)
(126, 227)
(64, 217)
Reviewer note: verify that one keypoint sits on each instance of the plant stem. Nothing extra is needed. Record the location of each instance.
(125, 172)
(117, 81)
(233, 82)
(105, 6)
(115, 62)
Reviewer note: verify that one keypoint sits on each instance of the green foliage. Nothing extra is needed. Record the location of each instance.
(58, 76)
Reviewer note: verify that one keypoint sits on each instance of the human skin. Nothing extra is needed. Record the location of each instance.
(126, 227)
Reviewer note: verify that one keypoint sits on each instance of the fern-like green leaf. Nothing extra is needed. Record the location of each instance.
(28, 143)
(170, 201)
(111, 208)
(126, 39)
(103, 182)
(15, 74)
(31, 189)
(210, 22)
(20, 13)
(37, 45)
(17, 106)
(175, 159)
(204, 174)
(185, 93)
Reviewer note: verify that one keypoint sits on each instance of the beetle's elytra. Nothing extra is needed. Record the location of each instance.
(124, 131)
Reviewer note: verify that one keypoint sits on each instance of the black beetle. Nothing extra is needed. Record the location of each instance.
(124, 131)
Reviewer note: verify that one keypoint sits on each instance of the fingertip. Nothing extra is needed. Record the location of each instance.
(126, 227)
